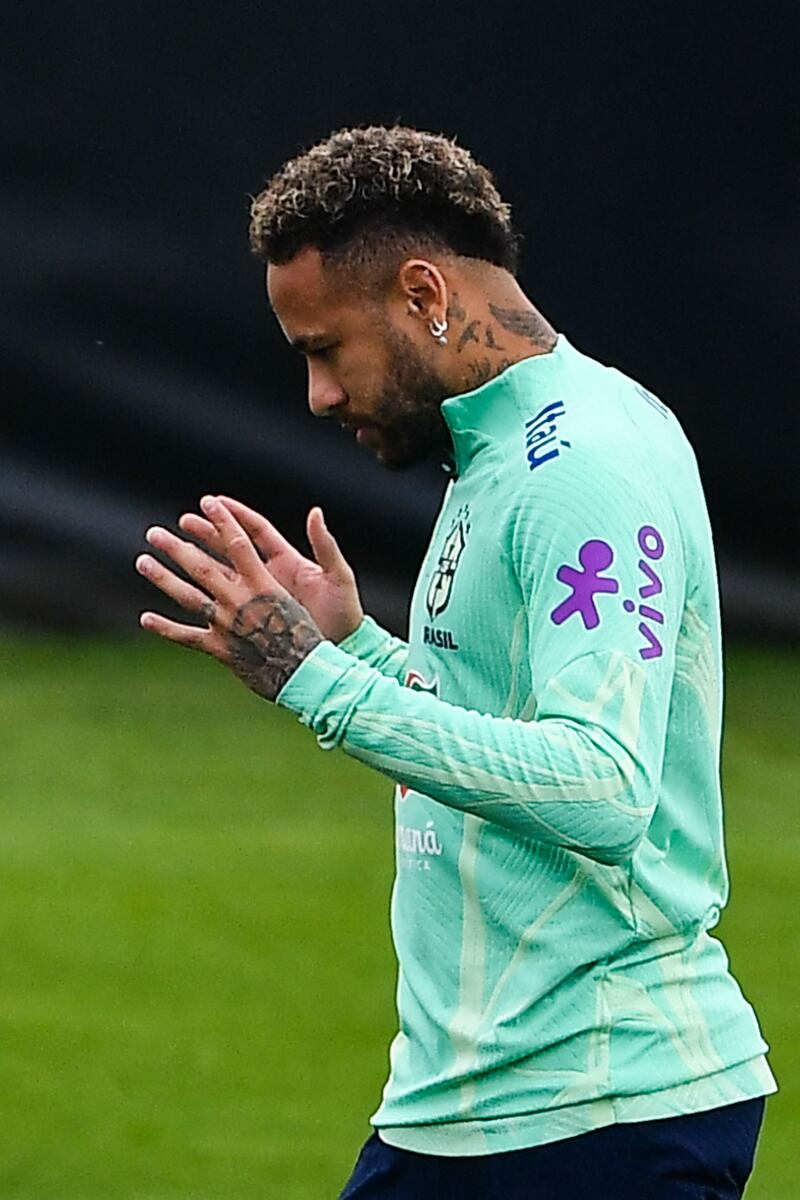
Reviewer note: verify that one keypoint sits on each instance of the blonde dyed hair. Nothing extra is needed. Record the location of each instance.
(364, 192)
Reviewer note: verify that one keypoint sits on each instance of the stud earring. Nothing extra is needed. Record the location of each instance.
(439, 331)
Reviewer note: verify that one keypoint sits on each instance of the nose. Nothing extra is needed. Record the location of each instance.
(324, 393)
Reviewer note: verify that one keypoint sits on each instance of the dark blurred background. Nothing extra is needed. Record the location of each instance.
(644, 148)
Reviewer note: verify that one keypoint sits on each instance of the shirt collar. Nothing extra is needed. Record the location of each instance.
(492, 412)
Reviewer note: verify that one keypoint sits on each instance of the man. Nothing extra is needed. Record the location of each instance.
(568, 1026)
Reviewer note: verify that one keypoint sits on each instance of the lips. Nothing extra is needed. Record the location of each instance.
(359, 429)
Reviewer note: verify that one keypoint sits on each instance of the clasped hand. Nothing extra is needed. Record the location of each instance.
(264, 607)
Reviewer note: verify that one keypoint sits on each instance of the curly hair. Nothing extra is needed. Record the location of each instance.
(362, 192)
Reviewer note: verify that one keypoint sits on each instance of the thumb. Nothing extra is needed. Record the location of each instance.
(324, 544)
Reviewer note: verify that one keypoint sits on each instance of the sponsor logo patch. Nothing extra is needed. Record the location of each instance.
(589, 580)
(541, 435)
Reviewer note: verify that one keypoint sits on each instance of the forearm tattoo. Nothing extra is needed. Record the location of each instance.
(269, 638)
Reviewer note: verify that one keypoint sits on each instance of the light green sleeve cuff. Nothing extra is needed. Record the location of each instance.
(324, 690)
(378, 648)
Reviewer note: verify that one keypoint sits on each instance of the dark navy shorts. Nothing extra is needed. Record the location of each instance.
(704, 1156)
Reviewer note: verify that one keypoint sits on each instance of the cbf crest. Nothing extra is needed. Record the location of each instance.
(441, 584)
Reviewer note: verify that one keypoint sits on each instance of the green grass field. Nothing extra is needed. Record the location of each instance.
(196, 978)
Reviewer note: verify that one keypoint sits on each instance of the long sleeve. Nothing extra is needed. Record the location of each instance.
(378, 648)
(584, 773)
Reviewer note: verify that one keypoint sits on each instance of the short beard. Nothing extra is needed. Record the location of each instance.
(409, 410)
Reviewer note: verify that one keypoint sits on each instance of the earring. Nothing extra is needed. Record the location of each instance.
(439, 330)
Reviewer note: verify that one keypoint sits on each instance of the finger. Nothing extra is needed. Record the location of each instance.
(324, 544)
(183, 593)
(202, 568)
(266, 538)
(237, 546)
(203, 531)
(193, 636)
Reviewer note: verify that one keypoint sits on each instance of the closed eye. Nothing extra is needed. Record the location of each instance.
(311, 348)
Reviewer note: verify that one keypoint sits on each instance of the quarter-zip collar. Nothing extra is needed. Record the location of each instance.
(491, 413)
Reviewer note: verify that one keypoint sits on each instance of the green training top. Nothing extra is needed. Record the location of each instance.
(553, 725)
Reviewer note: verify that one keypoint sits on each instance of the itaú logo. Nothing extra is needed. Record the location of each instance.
(541, 435)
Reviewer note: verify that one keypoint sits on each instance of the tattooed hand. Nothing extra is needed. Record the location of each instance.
(252, 624)
(324, 585)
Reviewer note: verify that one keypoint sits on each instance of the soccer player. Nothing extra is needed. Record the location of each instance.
(568, 1025)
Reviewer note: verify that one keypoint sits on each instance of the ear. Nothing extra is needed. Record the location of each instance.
(424, 290)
